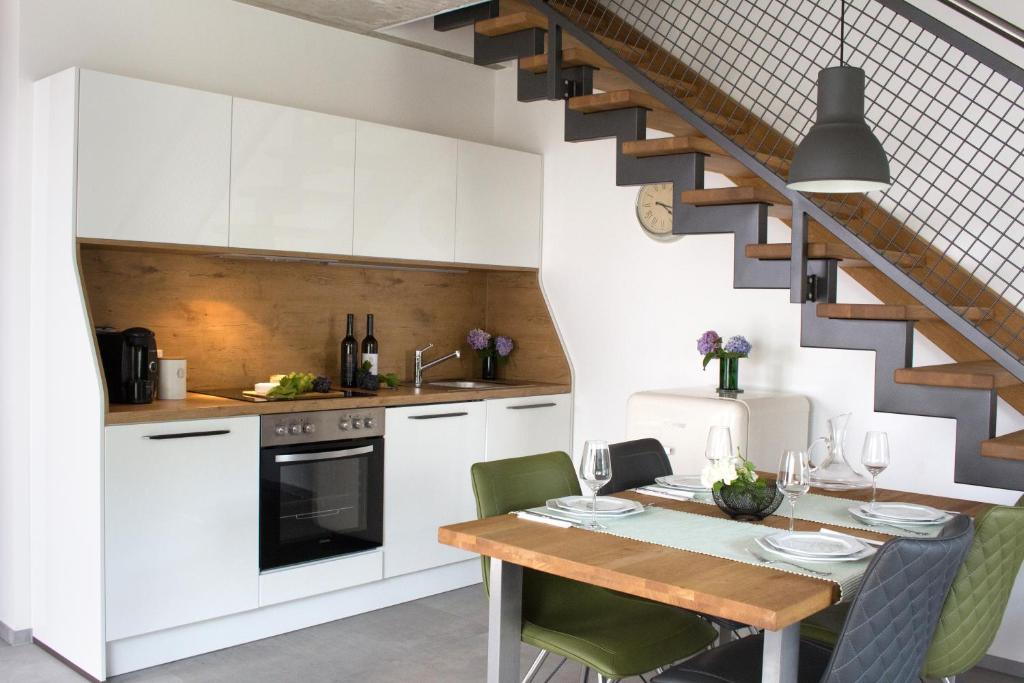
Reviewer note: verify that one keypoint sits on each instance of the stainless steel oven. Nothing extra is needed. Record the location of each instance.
(321, 485)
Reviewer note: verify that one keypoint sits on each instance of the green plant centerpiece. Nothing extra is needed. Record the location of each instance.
(739, 491)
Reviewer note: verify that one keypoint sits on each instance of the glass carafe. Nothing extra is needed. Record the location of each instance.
(834, 472)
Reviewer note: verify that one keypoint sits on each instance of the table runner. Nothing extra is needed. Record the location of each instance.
(813, 507)
(723, 538)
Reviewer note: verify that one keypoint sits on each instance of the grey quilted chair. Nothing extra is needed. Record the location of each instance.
(886, 635)
(636, 463)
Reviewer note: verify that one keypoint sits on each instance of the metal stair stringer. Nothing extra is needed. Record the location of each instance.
(892, 341)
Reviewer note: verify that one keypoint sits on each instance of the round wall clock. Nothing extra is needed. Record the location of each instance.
(654, 211)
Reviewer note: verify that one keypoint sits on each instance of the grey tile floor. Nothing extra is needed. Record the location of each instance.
(437, 639)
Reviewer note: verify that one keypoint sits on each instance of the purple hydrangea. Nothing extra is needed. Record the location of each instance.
(504, 345)
(737, 344)
(708, 342)
(478, 339)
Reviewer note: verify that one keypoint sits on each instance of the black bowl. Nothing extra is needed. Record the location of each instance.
(749, 504)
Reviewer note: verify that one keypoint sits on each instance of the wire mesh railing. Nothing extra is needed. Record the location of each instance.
(951, 123)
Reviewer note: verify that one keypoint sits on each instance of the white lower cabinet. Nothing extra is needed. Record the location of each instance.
(427, 455)
(181, 523)
(527, 426)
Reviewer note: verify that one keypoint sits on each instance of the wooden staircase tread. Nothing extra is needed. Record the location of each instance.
(610, 101)
(656, 147)
(510, 23)
(720, 196)
(982, 374)
(571, 57)
(781, 251)
(1007, 447)
(891, 312)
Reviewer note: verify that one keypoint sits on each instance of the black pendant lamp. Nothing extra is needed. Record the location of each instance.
(840, 153)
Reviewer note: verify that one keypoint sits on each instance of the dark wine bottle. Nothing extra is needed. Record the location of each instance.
(348, 354)
(368, 349)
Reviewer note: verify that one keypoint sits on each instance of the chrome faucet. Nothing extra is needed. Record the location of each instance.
(419, 366)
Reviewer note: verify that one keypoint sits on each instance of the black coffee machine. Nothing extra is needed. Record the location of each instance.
(129, 364)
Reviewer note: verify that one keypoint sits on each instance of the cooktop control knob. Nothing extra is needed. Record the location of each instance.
(308, 428)
(280, 430)
(344, 425)
(369, 423)
(294, 428)
(357, 423)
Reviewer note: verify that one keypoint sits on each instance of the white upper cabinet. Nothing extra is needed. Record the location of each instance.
(291, 179)
(405, 193)
(153, 161)
(498, 215)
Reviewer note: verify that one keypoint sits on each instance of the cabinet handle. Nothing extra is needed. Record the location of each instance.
(436, 417)
(188, 435)
(530, 406)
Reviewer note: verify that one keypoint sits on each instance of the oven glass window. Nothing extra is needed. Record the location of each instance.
(319, 499)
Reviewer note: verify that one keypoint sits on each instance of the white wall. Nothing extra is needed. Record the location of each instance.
(216, 45)
(14, 463)
(630, 310)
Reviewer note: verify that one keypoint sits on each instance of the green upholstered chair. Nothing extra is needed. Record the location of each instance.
(616, 635)
(974, 607)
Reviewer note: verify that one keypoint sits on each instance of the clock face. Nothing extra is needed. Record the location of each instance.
(654, 211)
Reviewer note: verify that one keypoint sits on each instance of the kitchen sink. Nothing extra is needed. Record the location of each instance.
(467, 384)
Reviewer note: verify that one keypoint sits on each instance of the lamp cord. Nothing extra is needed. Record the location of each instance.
(842, 32)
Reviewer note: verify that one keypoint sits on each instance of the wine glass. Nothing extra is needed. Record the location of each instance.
(596, 471)
(875, 457)
(719, 446)
(793, 479)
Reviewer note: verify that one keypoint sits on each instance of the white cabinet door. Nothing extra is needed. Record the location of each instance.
(405, 193)
(427, 455)
(291, 179)
(527, 426)
(153, 161)
(181, 523)
(498, 215)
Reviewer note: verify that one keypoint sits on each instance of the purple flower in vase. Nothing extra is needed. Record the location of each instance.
(478, 339)
(504, 345)
(708, 342)
(737, 344)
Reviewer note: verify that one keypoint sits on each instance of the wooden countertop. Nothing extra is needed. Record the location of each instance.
(199, 406)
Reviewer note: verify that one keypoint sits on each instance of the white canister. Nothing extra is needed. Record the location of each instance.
(172, 378)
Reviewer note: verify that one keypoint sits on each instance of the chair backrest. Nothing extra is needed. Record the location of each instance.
(636, 463)
(975, 605)
(502, 486)
(893, 616)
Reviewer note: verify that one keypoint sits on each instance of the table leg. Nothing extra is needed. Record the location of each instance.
(504, 622)
(781, 655)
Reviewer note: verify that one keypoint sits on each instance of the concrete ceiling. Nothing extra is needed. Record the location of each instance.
(361, 16)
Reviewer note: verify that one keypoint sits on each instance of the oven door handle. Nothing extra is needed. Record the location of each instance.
(322, 455)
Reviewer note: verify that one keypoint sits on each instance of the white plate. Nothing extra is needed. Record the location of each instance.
(903, 512)
(800, 559)
(814, 544)
(870, 520)
(686, 482)
(607, 506)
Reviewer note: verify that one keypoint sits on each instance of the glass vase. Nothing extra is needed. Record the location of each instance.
(729, 376)
(489, 368)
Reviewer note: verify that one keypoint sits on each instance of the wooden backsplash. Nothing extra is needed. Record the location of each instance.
(238, 321)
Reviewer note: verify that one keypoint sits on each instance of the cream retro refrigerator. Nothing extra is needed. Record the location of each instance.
(763, 423)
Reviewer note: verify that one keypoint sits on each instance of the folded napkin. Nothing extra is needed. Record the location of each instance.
(664, 492)
(530, 517)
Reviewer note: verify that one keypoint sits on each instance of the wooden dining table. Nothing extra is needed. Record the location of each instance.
(769, 599)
